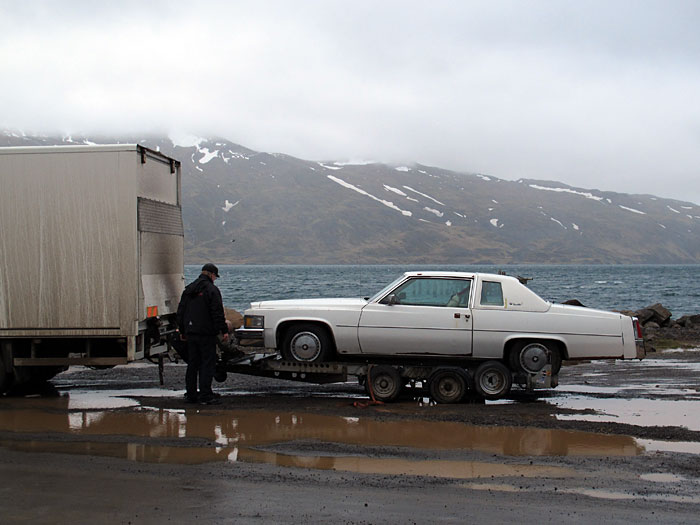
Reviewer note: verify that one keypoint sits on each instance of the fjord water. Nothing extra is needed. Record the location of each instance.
(610, 287)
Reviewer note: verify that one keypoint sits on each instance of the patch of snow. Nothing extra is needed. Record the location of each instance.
(491, 209)
(575, 226)
(424, 195)
(631, 209)
(403, 168)
(459, 215)
(436, 212)
(687, 207)
(558, 222)
(494, 201)
(653, 198)
(494, 223)
(312, 168)
(223, 223)
(673, 210)
(412, 199)
(185, 140)
(588, 195)
(448, 223)
(689, 216)
(238, 155)
(423, 220)
(484, 177)
(664, 227)
(423, 172)
(90, 143)
(228, 205)
(329, 167)
(395, 190)
(263, 163)
(363, 192)
(199, 169)
(207, 155)
(355, 163)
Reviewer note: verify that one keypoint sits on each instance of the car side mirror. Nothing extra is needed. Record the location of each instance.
(392, 299)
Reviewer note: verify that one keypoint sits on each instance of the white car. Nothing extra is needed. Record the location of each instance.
(459, 318)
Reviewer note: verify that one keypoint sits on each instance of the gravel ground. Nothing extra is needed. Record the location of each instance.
(616, 441)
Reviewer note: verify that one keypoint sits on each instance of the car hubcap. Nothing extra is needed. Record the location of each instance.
(533, 358)
(305, 346)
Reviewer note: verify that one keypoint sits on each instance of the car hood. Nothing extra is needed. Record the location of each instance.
(310, 303)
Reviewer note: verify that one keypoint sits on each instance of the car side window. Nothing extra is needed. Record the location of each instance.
(433, 292)
(491, 293)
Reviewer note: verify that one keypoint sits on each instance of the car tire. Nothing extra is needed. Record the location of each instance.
(448, 385)
(525, 355)
(492, 380)
(384, 383)
(306, 343)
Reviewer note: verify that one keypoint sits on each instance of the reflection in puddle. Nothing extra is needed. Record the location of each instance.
(613, 495)
(662, 477)
(191, 436)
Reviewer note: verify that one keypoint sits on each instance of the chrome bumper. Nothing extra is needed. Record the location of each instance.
(250, 334)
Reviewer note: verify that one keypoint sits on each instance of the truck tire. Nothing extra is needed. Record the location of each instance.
(531, 356)
(306, 343)
(448, 385)
(492, 380)
(384, 382)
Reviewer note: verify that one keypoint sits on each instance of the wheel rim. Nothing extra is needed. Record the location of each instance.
(533, 357)
(384, 385)
(305, 346)
(450, 388)
(492, 382)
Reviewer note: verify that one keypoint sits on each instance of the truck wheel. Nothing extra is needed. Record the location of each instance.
(448, 385)
(385, 383)
(306, 343)
(531, 357)
(492, 380)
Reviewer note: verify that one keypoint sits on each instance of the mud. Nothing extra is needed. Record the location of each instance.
(615, 442)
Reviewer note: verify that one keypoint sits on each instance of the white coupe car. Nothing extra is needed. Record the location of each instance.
(463, 319)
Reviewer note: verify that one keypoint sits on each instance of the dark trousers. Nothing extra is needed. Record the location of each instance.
(201, 365)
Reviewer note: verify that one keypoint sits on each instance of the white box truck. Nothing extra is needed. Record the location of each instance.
(91, 257)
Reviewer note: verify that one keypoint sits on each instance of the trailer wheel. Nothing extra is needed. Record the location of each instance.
(531, 357)
(448, 385)
(306, 343)
(385, 383)
(493, 380)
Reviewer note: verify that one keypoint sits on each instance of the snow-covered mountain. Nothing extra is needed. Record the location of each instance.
(281, 209)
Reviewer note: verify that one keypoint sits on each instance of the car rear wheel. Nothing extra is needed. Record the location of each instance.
(492, 380)
(306, 343)
(448, 385)
(531, 357)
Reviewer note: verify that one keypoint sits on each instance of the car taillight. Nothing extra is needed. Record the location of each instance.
(637, 328)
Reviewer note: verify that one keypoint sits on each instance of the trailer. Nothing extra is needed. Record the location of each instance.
(385, 380)
(91, 257)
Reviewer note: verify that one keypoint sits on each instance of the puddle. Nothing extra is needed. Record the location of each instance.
(661, 477)
(641, 412)
(613, 495)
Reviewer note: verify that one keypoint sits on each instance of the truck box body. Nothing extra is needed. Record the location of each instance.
(91, 242)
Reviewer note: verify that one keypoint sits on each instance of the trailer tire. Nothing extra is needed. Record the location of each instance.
(306, 343)
(448, 385)
(492, 380)
(384, 382)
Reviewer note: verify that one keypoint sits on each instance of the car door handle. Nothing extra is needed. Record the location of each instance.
(466, 316)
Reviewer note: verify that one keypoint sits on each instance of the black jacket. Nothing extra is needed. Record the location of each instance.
(201, 310)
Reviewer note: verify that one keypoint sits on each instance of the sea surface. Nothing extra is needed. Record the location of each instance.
(610, 287)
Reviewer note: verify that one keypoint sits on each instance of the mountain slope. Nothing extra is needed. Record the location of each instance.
(280, 209)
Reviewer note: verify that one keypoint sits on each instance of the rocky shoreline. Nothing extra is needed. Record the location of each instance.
(661, 331)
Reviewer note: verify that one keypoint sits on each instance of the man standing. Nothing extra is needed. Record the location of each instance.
(200, 318)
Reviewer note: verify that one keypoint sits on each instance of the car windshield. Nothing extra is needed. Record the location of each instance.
(386, 289)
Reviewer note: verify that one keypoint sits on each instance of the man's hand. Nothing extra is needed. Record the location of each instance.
(225, 338)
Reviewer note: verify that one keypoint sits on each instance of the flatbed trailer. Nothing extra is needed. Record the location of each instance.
(384, 379)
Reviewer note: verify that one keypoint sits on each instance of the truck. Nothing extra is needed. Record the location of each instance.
(91, 257)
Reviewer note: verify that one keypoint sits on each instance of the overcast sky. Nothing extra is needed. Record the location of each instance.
(594, 94)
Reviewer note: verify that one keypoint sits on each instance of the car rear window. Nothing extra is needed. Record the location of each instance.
(491, 293)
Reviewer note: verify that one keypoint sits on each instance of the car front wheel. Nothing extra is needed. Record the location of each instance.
(306, 343)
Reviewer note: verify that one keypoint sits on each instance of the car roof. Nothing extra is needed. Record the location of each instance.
(469, 275)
